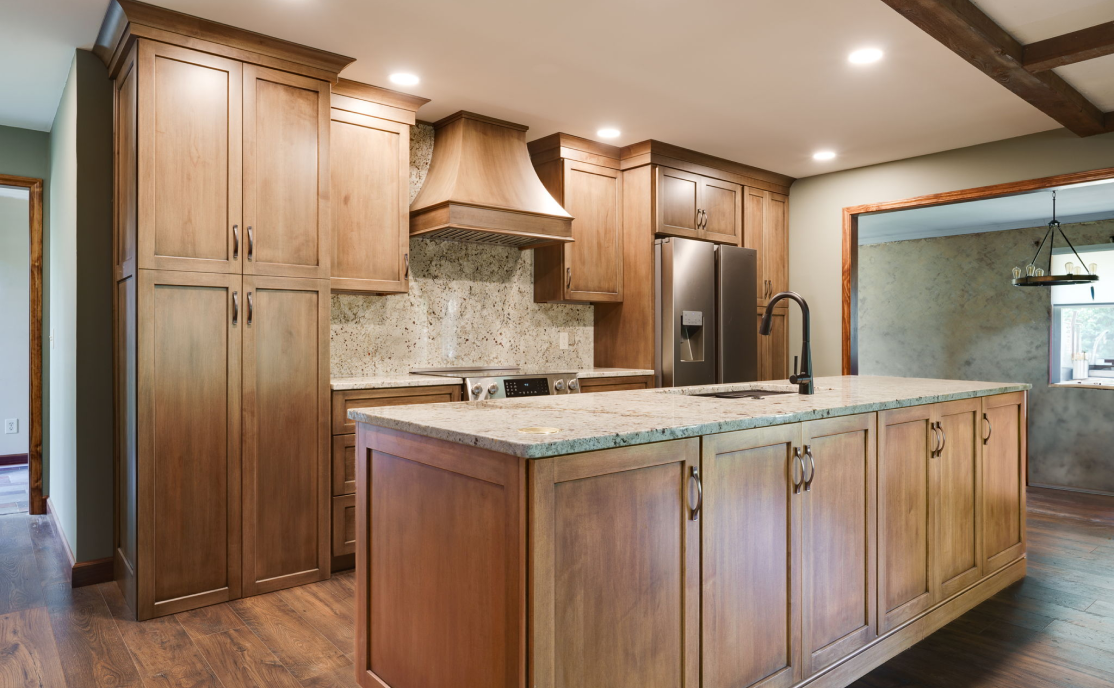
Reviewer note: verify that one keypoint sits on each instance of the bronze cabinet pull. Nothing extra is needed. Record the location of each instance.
(812, 465)
(935, 440)
(251, 307)
(406, 259)
(235, 307)
(251, 244)
(943, 439)
(695, 475)
(798, 484)
(568, 278)
(989, 429)
(235, 242)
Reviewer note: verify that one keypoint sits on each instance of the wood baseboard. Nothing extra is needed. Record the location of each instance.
(82, 573)
(13, 460)
(343, 562)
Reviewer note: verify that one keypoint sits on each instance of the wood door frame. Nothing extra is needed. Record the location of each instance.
(34, 186)
(850, 348)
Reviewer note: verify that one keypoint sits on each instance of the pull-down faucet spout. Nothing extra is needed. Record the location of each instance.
(803, 379)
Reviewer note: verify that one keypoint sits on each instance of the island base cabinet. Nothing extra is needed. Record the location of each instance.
(1003, 495)
(615, 569)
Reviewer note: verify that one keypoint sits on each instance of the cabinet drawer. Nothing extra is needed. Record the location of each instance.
(344, 525)
(343, 400)
(616, 384)
(344, 465)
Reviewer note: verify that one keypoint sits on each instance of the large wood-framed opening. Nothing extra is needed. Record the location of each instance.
(850, 358)
(35, 503)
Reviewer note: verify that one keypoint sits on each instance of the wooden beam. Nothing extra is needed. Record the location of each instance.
(970, 33)
(1077, 46)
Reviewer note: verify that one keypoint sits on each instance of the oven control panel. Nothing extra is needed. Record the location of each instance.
(511, 386)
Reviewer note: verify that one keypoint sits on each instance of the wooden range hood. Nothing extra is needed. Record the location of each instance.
(481, 187)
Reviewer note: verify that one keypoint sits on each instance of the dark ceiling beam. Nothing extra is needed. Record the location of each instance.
(971, 34)
(1077, 46)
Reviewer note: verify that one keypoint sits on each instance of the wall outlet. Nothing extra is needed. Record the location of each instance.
(563, 340)
(11, 426)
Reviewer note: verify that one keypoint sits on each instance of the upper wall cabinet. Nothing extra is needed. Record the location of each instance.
(584, 177)
(370, 189)
(766, 229)
(694, 206)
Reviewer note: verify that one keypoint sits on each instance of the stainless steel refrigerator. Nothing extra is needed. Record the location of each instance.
(705, 324)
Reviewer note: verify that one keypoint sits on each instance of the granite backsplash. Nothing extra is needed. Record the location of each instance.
(469, 304)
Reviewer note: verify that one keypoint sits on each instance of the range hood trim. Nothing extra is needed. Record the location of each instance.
(482, 187)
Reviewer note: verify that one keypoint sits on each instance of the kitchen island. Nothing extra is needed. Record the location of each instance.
(664, 538)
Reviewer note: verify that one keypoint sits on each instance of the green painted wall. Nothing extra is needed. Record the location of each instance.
(80, 258)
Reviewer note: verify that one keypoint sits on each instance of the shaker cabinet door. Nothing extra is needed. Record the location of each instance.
(615, 574)
(286, 174)
(722, 203)
(1003, 482)
(956, 486)
(838, 527)
(676, 202)
(750, 559)
(286, 483)
(593, 195)
(187, 180)
(773, 349)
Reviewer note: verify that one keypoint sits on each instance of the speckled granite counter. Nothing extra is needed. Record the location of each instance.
(404, 380)
(587, 422)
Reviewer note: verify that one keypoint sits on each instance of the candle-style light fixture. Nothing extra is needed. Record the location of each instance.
(1034, 276)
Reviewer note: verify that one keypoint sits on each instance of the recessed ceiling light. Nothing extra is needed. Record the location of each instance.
(865, 56)
(404, 79)
(607, 133)
(824, 155)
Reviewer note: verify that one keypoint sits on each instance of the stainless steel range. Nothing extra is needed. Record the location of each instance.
(504, 382)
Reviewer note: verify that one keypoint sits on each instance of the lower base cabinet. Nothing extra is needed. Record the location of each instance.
(773, 557)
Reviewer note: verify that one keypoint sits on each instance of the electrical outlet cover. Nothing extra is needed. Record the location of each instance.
(11, 426)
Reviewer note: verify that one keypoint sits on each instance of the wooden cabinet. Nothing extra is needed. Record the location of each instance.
(615, 564)
(584, 177)
(286, 463)
(766, 229)
(694, 206)
(286, 174)
(838, 547)
(615, 384)
(222, 204)
(751, 559)
(1004, 465)
(957, 484)
(773, 349)
(186, 527)
(369, 159)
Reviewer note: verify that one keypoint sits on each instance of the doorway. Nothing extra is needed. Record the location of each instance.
(21, 345)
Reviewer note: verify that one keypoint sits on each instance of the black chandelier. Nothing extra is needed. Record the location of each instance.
(1033, 276)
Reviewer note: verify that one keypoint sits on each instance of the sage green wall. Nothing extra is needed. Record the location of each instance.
(944, 308)
(816, 210)
(80, 259)
(26, 153)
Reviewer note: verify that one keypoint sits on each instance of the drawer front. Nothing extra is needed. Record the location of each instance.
(344, 400)
(344, 525)
(616, 384)
(344, 465)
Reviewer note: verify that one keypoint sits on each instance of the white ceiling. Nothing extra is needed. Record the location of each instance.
(765, 82)
(1078, 203)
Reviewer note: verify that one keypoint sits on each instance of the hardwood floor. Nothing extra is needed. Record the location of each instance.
(1054, 629)
(13, 489)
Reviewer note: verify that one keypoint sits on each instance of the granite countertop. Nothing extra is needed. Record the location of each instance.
(405, 380)
(588, 422)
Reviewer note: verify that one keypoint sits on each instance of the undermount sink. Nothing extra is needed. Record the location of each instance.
(738, 390)
(746, 393)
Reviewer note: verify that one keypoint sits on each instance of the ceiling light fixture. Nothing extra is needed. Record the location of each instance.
(404, 79)
(824, 155)
(607, 133)
(1033, 276)
(865, 56)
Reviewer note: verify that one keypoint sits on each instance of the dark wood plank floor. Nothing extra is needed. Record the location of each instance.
(1055, 628)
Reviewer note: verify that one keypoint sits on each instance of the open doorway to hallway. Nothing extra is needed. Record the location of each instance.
(15, 212)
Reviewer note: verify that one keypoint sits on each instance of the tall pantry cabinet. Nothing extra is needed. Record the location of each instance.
(222, 266)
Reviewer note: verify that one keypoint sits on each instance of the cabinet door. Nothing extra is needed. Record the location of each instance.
(773, 349)
(1004, 453)
(593, 262)
(838, 527)
(958, 532)
(905, 514)
(370, 170)
(754, 234)
(775, 244)
(189, 160)
(615, 568)
(722, 203)
(286, 432)
(676, 199)
(750, 559)
(286, 174)
(188, 420)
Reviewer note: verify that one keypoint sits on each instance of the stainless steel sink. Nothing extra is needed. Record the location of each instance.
(746, 393)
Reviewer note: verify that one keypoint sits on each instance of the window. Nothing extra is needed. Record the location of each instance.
(1083, 323)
